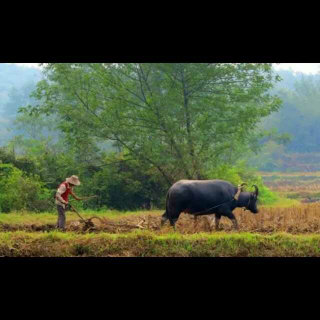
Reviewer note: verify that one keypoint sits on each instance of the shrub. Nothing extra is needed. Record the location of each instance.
(127, 185)
(240, 173)
(17, 191)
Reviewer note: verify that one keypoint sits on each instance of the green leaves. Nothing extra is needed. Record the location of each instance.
(299, 115)
(178, 117)
(18, 191)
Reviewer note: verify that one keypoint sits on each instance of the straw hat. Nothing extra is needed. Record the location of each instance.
(73, 180)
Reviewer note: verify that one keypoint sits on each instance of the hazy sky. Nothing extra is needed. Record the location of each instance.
(309, 68)
(31, 65)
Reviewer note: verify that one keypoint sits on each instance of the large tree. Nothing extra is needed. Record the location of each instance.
(181, 118)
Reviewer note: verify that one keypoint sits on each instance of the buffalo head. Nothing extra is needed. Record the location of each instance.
(253, 197)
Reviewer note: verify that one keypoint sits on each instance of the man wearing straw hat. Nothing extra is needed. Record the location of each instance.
(62, 199)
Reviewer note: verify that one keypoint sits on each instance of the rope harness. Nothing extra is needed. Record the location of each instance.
(197, 213)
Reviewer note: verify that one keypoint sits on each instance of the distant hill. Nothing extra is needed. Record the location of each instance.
(299, 117)
(16, 84)
(289, 79)
(13, 76)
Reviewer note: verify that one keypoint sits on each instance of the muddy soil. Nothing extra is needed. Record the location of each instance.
(26, 227)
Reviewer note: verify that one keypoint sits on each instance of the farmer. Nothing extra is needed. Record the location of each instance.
(62, 199)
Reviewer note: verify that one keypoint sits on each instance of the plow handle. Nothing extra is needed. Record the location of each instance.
(73, 209)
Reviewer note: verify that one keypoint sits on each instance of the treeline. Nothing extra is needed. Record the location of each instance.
(299, 115)
(130, 130)
(297, 120)
(15, 77)
(30, 181)
(16, 85)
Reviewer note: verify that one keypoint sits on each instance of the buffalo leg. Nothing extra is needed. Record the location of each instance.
(195, 221)
(235, 223)
(173, 217)
(210, 220)
(164, 218)
(217, 221)
(173, 223)
(234, 220)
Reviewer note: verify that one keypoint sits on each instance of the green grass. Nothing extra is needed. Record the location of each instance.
(145, 243)
(148, 244)
(282, 202)
(23, 217)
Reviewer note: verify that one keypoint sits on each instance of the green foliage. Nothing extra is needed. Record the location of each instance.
(167, 121)
(299, 115)
(266, 196)
(298, 119)
(17, 191)
(270, 157)
(181, 118)
(126, 184)
(226, 172)
(240, 173)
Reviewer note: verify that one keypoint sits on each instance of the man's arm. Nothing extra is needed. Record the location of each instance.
(60, 191)
(77, 198)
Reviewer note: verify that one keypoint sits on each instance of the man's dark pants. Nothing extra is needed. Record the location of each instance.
(61, 218)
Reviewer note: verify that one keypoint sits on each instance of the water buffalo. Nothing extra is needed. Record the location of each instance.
(204, 197)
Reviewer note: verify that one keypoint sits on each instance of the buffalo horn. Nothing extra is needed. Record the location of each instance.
(240, 186)
(257, 190)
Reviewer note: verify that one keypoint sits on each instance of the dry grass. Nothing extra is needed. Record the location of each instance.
(304, 218)
(294, 186)
(290, 174)
(304, 186)
(274, 232)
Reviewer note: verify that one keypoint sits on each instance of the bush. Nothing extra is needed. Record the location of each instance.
(240, 173)
(17, 191)
(126, 185)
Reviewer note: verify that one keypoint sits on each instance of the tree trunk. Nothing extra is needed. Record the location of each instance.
(188, 125)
